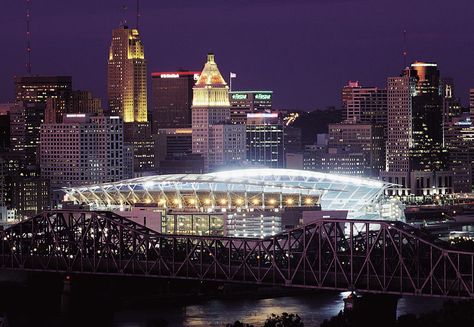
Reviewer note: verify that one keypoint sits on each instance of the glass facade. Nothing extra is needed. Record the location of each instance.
(265, 145)
(194, 224)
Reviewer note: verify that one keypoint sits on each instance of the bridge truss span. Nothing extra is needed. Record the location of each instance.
(363, 255)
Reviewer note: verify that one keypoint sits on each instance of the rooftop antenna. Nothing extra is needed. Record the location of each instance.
(124, 19)
(405, 51)
(28, 37)
(138, 12)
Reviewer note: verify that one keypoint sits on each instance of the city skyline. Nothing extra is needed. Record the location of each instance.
(297, 36)
(165, 163)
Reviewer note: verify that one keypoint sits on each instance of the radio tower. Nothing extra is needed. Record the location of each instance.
(28, 38)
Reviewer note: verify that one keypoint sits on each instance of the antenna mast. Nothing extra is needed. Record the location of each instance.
(138, 12)
(28, 38)
(124, 12)
(405, 51)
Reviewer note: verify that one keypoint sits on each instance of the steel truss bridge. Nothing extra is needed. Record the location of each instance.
(363, 255)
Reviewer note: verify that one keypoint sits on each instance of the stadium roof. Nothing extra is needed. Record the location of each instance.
(253, 188)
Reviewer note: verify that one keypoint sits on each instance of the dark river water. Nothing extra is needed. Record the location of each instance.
(313, 308)
(126, 302)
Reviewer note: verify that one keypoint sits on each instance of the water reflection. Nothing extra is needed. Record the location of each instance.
(313, 308)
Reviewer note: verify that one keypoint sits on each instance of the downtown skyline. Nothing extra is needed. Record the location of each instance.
(317, 43)
(165, 166)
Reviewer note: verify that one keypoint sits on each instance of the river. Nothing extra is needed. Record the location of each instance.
(313, 308)
(127, 302)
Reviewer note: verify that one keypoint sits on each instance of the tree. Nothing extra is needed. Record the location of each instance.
(285, 320)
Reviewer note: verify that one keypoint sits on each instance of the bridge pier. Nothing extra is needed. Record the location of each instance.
(372, 309)
(66, 295)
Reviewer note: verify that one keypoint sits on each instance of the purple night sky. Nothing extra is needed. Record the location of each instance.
(303, 50)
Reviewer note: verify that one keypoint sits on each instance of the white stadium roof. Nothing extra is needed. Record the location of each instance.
(360, 196)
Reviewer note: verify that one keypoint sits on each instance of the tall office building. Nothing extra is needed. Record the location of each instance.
(361, 104)
(127, 77)
(265, 144)
(416, 156)
(399, 132)
(172, 99)
(22, 192)
(427, 151)
(219, 142)
(36, 89)
(82, 150)
(245, 102)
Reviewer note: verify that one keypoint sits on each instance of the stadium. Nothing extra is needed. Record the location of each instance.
(245, 202)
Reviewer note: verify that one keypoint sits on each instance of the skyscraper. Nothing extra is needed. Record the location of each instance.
(172, 99)
(35, 91)
(213, 137)
(23, 192)
(416, 156)
(427, 151)
(127, 77)
(399, 131)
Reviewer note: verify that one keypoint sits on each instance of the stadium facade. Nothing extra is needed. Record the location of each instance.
(245, 202)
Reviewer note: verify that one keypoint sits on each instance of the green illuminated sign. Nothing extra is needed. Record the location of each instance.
(263, 96)
(239, 96)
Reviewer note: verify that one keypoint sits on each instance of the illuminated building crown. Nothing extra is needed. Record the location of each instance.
(211, 90)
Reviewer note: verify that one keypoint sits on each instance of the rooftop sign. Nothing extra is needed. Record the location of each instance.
(239, 96)
(195, 74)
(263, 96)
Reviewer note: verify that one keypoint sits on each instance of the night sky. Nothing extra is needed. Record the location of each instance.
(303, 50)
